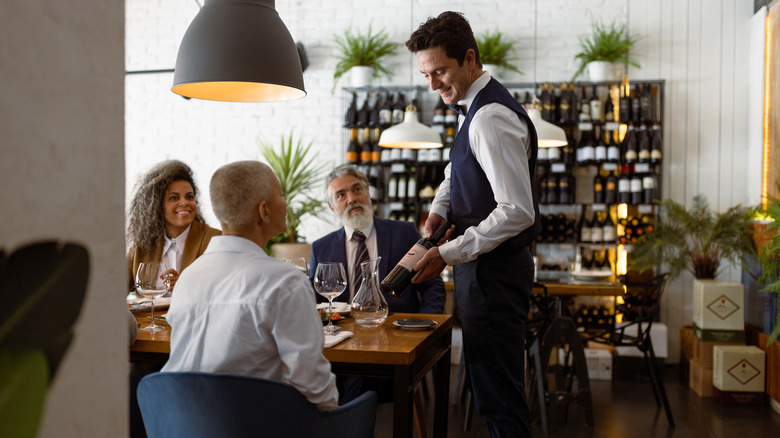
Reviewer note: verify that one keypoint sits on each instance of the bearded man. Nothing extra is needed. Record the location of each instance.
(347, 193)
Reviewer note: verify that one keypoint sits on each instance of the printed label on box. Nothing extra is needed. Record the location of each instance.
(744, 372)
(723, 307)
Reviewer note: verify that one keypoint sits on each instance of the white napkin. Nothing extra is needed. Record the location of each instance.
(331, 340)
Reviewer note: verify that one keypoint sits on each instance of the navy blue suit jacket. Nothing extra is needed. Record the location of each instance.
(393, 239)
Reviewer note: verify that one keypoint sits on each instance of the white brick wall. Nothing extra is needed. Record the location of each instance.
(161, 125)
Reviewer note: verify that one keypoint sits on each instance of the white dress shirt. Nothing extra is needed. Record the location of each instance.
(172, 253)
(351, 247)
(246, 313)
(501, 145)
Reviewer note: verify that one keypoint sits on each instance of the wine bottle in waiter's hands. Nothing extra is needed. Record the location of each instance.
(402, 275)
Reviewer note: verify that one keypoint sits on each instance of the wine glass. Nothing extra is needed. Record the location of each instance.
(330, 280)
(152, 281)
(299, 263)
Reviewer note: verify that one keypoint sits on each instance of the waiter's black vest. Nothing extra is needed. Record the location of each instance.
(471, 197)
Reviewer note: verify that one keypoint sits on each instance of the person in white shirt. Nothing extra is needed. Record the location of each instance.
(241, 311)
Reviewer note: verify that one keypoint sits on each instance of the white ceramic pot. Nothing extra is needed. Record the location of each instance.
(361, 75)
(603, 71)
(492, 69)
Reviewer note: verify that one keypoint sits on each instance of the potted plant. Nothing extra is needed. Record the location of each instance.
(603, 50)
(495, 52)
(364, 53)
(298, 173)
(695, 240)
(769, 257)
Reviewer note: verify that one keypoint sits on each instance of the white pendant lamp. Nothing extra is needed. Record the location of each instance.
(410, 134)
(238, 51)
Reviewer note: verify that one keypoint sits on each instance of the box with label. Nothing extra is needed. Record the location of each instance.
(702, 351)
(739, 398)
(686, 350)
(738, 368)
(718, 305)
(599, 364)
(700, 379)
(658, 335)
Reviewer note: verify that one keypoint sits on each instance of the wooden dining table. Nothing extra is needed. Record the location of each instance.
(388, 351)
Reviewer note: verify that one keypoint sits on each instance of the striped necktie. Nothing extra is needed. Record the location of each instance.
(361, 255)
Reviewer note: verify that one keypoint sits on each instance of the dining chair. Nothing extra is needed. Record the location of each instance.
(634, 331)
(205, 405)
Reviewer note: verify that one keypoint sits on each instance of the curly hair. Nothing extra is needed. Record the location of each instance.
(450, 31)
(146, 219)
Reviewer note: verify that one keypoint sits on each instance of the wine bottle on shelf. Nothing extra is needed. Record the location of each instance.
(366, 146)
(373, 112)
(636, 190)
(548, 228)
(553, 154)
(386, 111)
(646, 108)
(598, 189)
(362, 115)
(636, 106)
(353, 149)
(543, 155)
(595, 106)
(624, 189)
(564, 106)
(574, 109)
(401, 190)
(630, 146)
(600, 150)
(643, 156)
(542, 195)
(434, 155)
(548, 103)
(585, 227)
(610, 189)
(373, 184)
(609, 109)
(402, 275)
(649, 188)
(586, 152)
(350, 117)
(613, 148)
(552, 188)
(610, 230)
(411, 185)
(656, 147)
(597, 228)
(376, 150)
(624, 106)
(566, 188)
(392, 188)
(399, 108)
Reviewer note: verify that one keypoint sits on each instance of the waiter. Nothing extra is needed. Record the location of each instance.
(488, 193)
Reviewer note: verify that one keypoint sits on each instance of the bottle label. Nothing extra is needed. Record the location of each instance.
(601, 153)
(587, 153)
(553, 154)
(412, 256)
(613, 153)
(630, 155)
(648, 182)
(609, 233)
(624, 185)
(644, 154)
(656, 154)
(585, 234)
(636, 185)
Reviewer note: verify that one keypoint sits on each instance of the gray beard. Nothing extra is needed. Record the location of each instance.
(358, 221)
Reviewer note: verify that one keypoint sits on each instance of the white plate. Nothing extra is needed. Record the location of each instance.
(338, 306)
(415, 327)
(591, 275)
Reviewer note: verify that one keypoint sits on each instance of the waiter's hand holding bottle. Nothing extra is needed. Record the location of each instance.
(432, 264)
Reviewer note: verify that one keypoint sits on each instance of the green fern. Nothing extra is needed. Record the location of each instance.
(606, 44)
(769, 255)
(495, 49)
(363, 49)
(695, 240)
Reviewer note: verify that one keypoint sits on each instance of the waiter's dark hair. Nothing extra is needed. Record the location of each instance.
(450, 31)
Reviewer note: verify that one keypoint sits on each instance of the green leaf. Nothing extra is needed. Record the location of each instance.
(22, 391)
(605, 44)
(494, 48)
(366, 49)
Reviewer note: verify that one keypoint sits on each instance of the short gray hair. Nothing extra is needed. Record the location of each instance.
(343, 170)
(237, 189)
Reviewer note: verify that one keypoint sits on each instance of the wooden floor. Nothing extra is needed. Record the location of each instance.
(627, 409)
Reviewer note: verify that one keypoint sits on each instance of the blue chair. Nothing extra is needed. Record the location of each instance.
(194, 404)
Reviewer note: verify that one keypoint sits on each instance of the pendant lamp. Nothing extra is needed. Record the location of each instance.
(238, 51)
(548, 134)
(410, 134)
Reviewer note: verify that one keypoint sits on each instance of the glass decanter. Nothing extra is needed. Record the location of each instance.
(369, 307)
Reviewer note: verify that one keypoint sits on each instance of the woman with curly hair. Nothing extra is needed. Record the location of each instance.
(164, 223)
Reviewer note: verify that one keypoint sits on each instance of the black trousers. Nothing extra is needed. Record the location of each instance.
(493, 294)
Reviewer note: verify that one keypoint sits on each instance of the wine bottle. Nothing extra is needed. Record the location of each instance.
(595, 107)
(636, 190)
(613, 148)
(597, 228)
(624, 189)
(610, 189)
(542, 195)
(610, 231)
(392, 188)
(636, 106)
(598, 189)
(353, 149)
(411, 185)
(402, 275)
(350, 118)
(552, 188)
(630, 146)
(553, 154)
(586, 152)
(365, 146)
(646, 109)
(656, 148)
(565, 189)
(644, 144)
(609, 109)
(548, 103)
(386, 111)
(648, 186)
(585, 227)
(600, 151)
(399, 108)
(373, 113)
(564, 105)
(401, 190)
(624, 106)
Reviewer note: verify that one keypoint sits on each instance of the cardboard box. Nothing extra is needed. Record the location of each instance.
(739, 368)
(700, 379)
(686, 350)
(739, 398)
(599, 364)
(724, 336)
(658, 335)
(702, 351)
(718, 305)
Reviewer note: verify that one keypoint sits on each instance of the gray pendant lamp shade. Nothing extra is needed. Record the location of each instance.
(410, 134)
(238, 51)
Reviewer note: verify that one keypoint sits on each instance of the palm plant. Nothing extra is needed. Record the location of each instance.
(695, 240)
(363, 49)
(769, 255)
(298, 173)
(605, 44)
(495, 49)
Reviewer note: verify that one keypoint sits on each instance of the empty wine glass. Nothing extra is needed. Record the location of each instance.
(330, 281)
(299, 263)
(151, 282)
